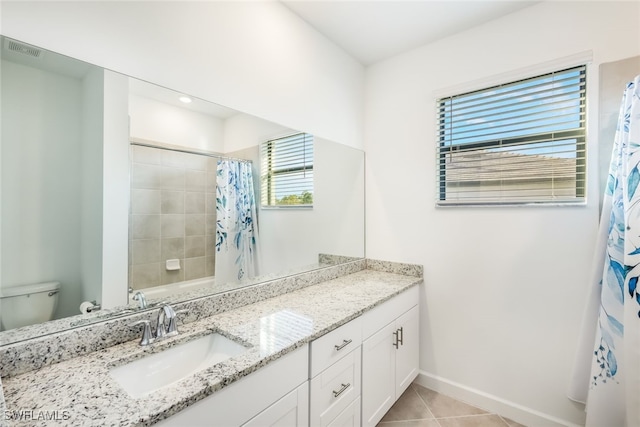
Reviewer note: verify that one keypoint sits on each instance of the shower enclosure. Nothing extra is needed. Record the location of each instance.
(172, 233)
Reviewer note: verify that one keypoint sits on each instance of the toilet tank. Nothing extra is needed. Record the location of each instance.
(26, 305)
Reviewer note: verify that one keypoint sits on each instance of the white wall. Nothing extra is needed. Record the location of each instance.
(292, 238)
(41, 163)
(53, 189)
(504, 287)
(116, 191)
(160, 122)
(256, 57)
(91, 181)
(244, 131)
(338, 199)
(335, 224)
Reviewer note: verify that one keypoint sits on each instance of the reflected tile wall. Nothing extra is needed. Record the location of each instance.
(172, 216)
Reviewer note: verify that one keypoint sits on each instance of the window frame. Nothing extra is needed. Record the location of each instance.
(268, 177)
(446, 146)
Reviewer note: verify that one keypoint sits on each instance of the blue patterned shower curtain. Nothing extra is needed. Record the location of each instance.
(236, 228)
(612, 390)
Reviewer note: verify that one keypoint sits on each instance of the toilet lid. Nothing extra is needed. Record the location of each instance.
(14, 291)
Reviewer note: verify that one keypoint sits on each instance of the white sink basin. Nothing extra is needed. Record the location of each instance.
(145, 375)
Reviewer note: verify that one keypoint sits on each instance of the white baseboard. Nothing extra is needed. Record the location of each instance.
(518, 413)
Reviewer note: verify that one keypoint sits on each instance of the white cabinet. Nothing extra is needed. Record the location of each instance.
(290, 411)
(389, 354)
(378, 375)
(335, 372)
(333, 390)
(349, 377)
(350, 417)
(274, 389)
(407, 353)
(333, 346)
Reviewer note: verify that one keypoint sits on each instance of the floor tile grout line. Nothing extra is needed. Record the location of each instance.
(423, 401)
(485, 412)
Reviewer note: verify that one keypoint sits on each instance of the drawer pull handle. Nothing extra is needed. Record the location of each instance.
(401, 338)
(343, 345)
(396, 340)
(342, 389)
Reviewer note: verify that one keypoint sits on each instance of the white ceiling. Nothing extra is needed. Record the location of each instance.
(373, 30)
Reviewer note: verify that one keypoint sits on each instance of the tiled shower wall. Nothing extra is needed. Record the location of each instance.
(172, 216)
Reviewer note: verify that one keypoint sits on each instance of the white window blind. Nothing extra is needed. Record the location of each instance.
(516, 143)
(287, 171)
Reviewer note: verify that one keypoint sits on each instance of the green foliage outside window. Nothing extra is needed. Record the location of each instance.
(305, 198)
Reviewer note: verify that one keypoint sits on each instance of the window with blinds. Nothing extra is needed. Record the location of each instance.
(287, 171)
(516, 143)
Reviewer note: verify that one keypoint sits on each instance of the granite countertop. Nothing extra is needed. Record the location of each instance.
(80, 391)
(2, 406)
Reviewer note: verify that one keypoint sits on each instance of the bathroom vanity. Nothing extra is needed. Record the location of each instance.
(338, 352)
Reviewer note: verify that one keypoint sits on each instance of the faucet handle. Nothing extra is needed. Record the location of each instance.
(172, 328)
(146, 331)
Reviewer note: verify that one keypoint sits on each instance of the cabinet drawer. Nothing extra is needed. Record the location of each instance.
(388, 311)
(333, 390)
(350, 417)
(329, 348)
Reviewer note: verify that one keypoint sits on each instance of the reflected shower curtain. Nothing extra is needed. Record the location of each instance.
(612, 390)
(236, 228)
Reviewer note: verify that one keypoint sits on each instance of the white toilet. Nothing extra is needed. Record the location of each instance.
(27, 304)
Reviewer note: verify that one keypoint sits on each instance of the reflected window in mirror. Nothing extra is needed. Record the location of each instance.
(287, 171)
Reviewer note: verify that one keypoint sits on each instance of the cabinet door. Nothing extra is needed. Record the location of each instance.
(378, 375)
(290, 411)
(407, 353)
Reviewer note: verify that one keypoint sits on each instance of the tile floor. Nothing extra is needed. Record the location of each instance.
(421, 407)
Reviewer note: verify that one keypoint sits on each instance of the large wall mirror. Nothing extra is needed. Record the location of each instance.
(79, 143)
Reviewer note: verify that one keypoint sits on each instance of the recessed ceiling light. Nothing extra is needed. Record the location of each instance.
(185, 99)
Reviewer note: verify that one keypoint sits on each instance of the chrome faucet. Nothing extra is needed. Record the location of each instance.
(166, 325)
(142, 301)
(166, 322)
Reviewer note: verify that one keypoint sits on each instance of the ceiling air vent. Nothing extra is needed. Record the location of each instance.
(22, 48)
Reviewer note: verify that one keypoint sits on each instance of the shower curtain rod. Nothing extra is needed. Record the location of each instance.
(163, 146)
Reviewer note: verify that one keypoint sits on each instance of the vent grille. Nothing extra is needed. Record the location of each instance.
(24, 49)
